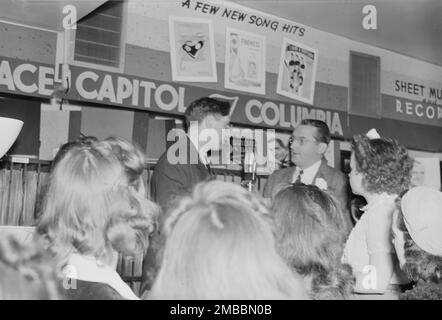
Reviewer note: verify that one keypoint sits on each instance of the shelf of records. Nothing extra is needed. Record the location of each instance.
(23, 181)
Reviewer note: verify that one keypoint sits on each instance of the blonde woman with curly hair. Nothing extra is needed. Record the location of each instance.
(220, 245)
(131, 158)
(93, 211)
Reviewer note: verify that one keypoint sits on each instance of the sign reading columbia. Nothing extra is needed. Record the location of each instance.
(127, 91)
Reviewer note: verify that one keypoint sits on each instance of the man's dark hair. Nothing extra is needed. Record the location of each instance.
(280, 143)
(322, 130)
(201, 108)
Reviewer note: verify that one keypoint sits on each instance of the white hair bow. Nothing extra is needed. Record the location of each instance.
(373, 134)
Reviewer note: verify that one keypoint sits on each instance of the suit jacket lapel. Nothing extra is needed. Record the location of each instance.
(192, 151)
(322, 171)
(288, 176)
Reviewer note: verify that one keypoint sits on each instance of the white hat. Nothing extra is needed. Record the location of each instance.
(422, 212)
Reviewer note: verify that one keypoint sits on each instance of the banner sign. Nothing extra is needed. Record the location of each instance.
(126, 91)
(424, 91)
(28, 78)
(233, 12)
(411, 111)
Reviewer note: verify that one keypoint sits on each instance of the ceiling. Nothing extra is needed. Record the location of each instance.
(46, 14)
(409, 27)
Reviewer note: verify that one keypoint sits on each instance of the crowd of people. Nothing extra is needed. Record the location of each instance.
(204, 238)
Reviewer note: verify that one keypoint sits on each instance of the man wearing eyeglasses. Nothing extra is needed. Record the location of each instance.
(308, 144)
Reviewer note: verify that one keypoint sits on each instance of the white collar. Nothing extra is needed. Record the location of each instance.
(379, 198)
(202, 156)
(87, 268)
(308, 173)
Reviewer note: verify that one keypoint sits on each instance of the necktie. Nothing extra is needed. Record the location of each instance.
(298, 179)
(207, 164)
(210, 169)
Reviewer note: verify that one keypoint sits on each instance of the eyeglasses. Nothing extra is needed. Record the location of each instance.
(302, 141)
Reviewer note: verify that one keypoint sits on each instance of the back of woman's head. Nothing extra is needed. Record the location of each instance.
(310, 237)
(82, 141)
(423, 268)
(90, 206)
(27, 272)
(384, 163)
(220, 246)
(129, 155)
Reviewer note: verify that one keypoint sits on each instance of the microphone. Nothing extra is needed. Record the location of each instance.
(249, 168)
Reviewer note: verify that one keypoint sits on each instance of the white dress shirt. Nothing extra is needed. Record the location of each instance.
(308, 173)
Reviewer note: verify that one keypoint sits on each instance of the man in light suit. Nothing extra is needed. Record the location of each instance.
(308, 145)
(181, 167)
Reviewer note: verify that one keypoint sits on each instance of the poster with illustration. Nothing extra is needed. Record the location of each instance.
(245, 61)
(426, 172)
(297, 71)
(192, 50)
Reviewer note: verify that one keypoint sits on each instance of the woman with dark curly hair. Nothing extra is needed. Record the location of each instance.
(417, 233)
(310, 237)
(380, 170)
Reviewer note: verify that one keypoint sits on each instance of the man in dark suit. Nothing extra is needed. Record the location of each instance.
(182, 166)
(308, 145)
